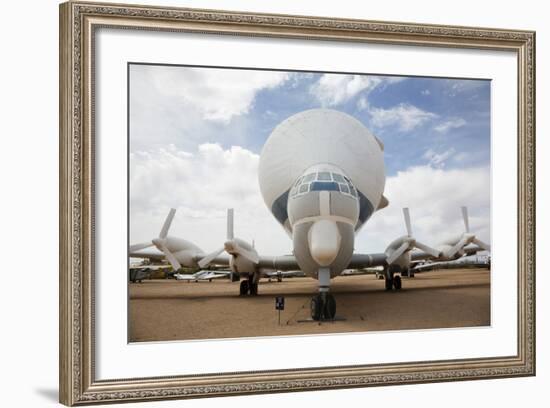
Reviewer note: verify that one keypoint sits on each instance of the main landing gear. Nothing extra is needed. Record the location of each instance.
(407, 273)
(323, 306)
(393, 281)
(249, 286)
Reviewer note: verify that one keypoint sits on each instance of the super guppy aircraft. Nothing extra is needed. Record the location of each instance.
(321, 174)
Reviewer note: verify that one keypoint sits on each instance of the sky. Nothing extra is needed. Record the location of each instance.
(196, 134)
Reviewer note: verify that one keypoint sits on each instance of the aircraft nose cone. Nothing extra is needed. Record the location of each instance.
(324, 242)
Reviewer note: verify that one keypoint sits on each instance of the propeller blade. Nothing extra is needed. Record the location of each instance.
(204, 262)
(232, 245)
(164, 231)
(465, 218)
(458, 246)
(407, 221)
(170, 257)
(482, 244)
(397, 253)
(429, 250)
(230, 232)
(138, 247)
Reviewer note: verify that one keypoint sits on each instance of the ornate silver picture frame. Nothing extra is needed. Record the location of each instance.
(79, 23)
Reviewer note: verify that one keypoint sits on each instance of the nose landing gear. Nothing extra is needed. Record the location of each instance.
(323, 306)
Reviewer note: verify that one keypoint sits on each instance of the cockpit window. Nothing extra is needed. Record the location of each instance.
(323, 181)
(324, 186)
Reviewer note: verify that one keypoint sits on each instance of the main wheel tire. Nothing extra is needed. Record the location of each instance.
(389, 283)
(253, 288)
(244, 288)
(316, 307)
(397, 282)
(330, 307)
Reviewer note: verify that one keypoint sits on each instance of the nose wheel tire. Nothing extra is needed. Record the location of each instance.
(323, 307)
(316, 308)
(330, 307)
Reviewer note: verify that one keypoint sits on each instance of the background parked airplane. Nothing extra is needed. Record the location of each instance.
(203, 276)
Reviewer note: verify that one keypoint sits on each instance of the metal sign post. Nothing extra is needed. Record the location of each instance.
(280, 305)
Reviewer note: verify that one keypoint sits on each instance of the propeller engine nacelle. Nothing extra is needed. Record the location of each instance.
(177, 251)
(454, 248)
(399, 251)
(397, 257)
(237, 262)
(243, 260)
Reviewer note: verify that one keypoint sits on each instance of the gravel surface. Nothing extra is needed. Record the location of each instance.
(175, 310)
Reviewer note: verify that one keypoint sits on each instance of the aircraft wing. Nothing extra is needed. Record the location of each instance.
(216, 275)
(421, 256)
(152, 254)
(472, 249)
(289, 263)
(185, 277)
(468, 250)
(278, 263)
(427, 266)
(359, 261)
(150, 267)
(284, 274)
(220, 260)
(202, 275)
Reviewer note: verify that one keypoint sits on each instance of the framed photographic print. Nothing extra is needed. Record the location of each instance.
(256, 203)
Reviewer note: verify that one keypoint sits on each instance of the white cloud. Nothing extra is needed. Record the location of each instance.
(454, 123)
(438, 159)
(335, 89)
(404, 115)
(219, 94)
(459, 86)
(362, 103)
(425, 92)
(201, 186)
(434, 197)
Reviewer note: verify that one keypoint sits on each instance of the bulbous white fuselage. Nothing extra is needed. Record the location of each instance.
(321, 174)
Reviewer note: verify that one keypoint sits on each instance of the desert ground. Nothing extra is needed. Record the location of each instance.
(161, 310)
